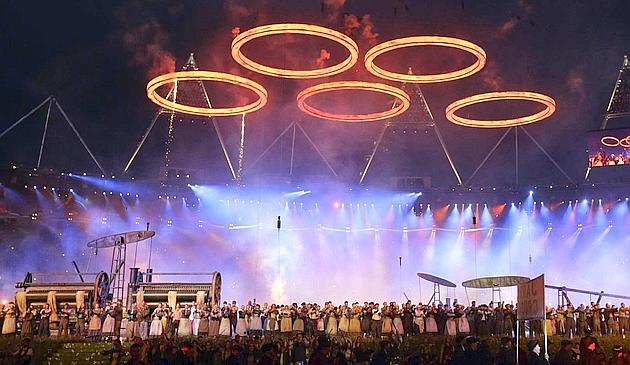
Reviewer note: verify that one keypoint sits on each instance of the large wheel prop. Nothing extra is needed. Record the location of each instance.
(294, 28)
(101, 289)
(161, 80)
(402, 104)
(548, 102)
(449, 42)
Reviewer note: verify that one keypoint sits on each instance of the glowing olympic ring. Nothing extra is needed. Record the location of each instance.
(614, 141)
(394, 44)
(549, 103)
(294, 28)
(399, 108)
(161, 80)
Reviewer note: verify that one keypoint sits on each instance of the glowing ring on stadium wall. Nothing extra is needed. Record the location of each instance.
(161, 80)
(398, 109)
(295, 28)
(548, 102)
(614, 141)
(450, 42)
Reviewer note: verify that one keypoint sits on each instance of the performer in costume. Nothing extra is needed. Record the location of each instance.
(499, 320)
(509, 320)
(355, 319)
(397, 323)
(321, 320)
(582, 320)
(451, 324)
(624, 315)
(597, 320)
(241, 322)
(64, 320)
(118, 317)
(94, 327)
(377, 321)
(233, 315)
(366, 318)
(407, 317)
(331, 320)
(272, 320)
(131, 330)
(313, 315)
(80, 325)
(214, 321)
(460, 318)
(44, 323)
(255, 325)
(144, 321)
(185, 324)
(418, 318)
(298, 315)
(109, 322)
(224, 326)
(28, 321)
(570, 321)
(204, 321)
(157, 328)
(387, 320)
(285, 320)
(9, 324)
(264, 314)
(473, 317)
(561, 321)
(344, 322)
(431, 324)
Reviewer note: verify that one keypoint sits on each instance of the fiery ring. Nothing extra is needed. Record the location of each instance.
(624, 142)
(550, 108)
(450, 42)
(294, 28)
(399, 94)
(154, 84)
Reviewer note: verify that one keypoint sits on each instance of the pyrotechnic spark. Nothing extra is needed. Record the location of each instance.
(241, 150)
(170, 137)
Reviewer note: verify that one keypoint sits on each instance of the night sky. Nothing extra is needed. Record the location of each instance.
(96, 57)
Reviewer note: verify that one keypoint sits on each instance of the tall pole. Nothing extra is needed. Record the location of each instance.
(485, 159)
(41, 146)
(63, 113)
(144, 138)
(369, 161)
(25, 116)
(292, 151)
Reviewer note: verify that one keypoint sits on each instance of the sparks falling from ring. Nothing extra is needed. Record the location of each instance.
(161, 80)
(295, 28)
(449, 42)
(548, 102)
(399, 107)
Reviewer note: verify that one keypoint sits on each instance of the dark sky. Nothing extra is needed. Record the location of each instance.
(97, 56)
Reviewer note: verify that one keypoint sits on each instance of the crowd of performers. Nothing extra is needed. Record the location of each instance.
(369, 319)
(328, 334)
